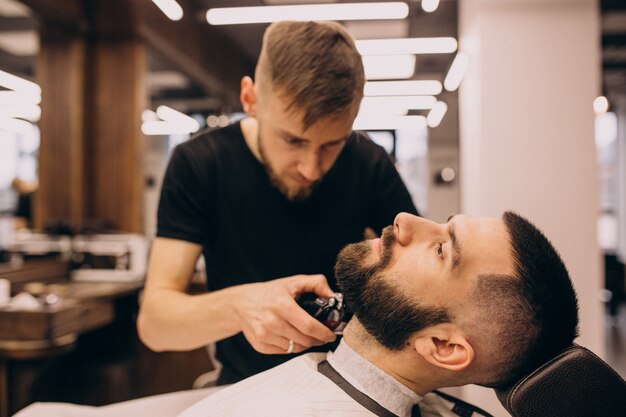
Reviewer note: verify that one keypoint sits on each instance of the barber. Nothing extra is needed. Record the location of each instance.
(269, 202)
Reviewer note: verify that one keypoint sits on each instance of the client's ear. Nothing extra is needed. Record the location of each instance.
(445, 346)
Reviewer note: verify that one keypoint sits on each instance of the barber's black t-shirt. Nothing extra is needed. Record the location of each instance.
(217, 194)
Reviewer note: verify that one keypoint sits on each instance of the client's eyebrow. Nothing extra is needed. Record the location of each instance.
(456, 247)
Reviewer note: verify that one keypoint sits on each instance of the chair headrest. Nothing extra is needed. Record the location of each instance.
(575, 383)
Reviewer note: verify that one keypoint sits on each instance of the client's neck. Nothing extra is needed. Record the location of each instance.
(405, 365)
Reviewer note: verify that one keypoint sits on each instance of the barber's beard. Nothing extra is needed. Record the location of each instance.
(384, 311)
(290, 193)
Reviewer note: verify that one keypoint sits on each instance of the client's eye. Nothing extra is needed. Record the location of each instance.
(440, 249)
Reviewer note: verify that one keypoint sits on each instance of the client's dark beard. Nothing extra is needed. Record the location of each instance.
(299, 194)
(385, 312)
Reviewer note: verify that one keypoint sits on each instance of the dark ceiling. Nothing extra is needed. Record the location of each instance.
(442, 22)
(247, 38)
(614, 47)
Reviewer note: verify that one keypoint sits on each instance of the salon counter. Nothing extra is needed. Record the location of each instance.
(83, 349)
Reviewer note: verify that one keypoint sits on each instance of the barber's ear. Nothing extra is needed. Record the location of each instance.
(248, 96)
(445, 347)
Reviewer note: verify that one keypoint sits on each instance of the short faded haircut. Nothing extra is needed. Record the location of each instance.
(314, 65)
(534, 314)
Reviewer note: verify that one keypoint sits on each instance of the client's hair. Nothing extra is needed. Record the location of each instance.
(536, 310)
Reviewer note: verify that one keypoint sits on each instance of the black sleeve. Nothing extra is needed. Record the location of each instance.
(390, 195)
(183, 212)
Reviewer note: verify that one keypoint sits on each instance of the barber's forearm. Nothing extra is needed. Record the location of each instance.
(171, 320)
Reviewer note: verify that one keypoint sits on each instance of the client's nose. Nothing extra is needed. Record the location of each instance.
(408, 227)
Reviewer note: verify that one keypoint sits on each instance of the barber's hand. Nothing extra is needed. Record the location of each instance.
(270, 317)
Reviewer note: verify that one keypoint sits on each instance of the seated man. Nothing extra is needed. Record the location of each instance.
(473, 301)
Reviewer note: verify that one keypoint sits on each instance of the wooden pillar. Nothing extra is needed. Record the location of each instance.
(92, 70)
(117, 96)
(4, 388)
(60, 71)
(91, 141)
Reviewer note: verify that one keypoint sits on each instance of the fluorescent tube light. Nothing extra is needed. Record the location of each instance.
(274, 2)
(435, 115)
(390, 123)
(339, 11)
(172, 122)
(170, 8)
(27, 111)
(398, 105)
(389, 67)
(26, 88)
(444, 45)
(16, 126)
(170, 115)
(456, 72)
(164, 128)
(402, 88)
(23, 43)
(9, 98)
(149, 116)
(430, 6)
(605, 129)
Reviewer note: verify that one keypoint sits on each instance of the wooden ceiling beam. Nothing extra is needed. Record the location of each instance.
(202, 52)
(61, 17)
(17, 24)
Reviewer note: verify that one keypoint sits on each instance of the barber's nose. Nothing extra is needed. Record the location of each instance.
(408, 228)
(310, 166)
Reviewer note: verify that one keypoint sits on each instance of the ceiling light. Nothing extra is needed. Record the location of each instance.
(149, 116)
(170, 8)
(20, 42)
(378, 29)
(164, 128)
(13, 97)
(164, 80)
(402, 88)
(398, 105)
(435, 115)
(389, 123)
(13, 8)
(340, 11)
(600, 105)
(389, 67)
(212, 120)
(605, 129)
(172, 122)
(297, 1)
(448, 174)
(16, 126)
(27, 111)
(430, 6)
(20, 85)
(444, 45)
(170, 115)
(223, 120)
(456, 72)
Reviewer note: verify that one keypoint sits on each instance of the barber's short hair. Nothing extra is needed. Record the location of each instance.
(315, 65)
(535, 312)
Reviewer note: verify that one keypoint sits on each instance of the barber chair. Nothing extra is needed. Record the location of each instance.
(576, 383)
